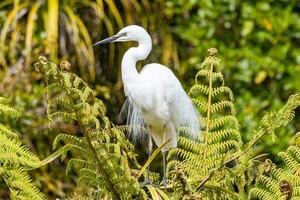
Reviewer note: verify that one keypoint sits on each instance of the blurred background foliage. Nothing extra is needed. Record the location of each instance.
(258, 42)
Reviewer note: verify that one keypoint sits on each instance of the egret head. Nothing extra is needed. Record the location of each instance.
(129, 33)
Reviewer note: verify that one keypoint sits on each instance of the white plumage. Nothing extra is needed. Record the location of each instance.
(162, 105)
(155, 97)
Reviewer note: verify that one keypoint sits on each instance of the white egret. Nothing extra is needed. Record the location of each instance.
(155, 96)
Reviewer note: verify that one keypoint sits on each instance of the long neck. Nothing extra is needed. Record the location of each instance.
(130, 58)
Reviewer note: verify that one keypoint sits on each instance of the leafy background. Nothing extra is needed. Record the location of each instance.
(257, 41)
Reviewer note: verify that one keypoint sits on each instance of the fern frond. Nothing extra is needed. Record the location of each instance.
(69, 139)
(101, 154)
(283, 116)
(66, 117)
(8, 111)
(223, 134)
(80, 163)
(222, 139)
(214, 76)
(279, 183)
(20, 185)
(201, 105)
(204, 89)
(195, 89)
(223, 89)
(290, 161)
(15, 159)
(258, 193)
(221, 121)
(215, 107)
(190, 145)
(12, 153)
(62, 103)
(6, 131)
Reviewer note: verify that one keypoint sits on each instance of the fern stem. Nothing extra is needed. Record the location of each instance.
(209, 102)
(92, 148)
(100, 167)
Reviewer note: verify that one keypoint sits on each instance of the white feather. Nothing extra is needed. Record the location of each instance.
(138, 130)
(184, 113)
(162, 102)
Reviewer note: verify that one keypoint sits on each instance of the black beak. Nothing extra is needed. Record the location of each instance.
(107, 40)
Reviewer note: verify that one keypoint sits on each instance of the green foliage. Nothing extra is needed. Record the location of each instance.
(221, 166)
(259, 43)
(103, 153)
(217, 166)
(221, 136)
(15, 159)
(66, 29)
(52, 34)
(273, 182)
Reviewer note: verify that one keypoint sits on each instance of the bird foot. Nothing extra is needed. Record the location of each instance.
(146, 182)
(165, 184)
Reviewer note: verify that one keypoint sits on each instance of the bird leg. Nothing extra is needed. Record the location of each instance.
(149, 154)
(165, 178)
(164, 162)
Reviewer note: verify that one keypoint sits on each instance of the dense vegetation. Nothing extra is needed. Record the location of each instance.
(249, 146)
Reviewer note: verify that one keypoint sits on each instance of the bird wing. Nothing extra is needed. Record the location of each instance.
(135, 92)
(159, 81)
(182, 111)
